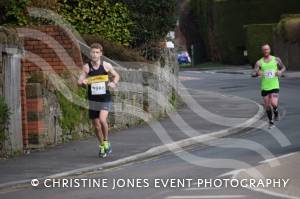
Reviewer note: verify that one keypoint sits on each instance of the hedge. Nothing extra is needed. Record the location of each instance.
(152, 19)
(111, 20)
(114, 51)
(289, 28)
(256, 36)
(189, 26)
(224, 22)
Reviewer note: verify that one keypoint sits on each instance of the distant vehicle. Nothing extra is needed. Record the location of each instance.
(170, 44)
(184, 58)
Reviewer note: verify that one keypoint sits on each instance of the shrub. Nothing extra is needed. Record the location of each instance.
(15, 13)
(194, 25)
(46, 4)
(289, 28)
(98, 17)
(87, 16)
(152, 20)
(256, 36)
(4, 118)
(225, 20)
(114, 51)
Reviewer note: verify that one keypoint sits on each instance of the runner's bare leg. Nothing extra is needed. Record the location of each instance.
(104, 124)
(268, 108)
(98, 130)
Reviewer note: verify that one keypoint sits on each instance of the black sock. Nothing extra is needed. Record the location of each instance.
(275, 110)
(270, 114)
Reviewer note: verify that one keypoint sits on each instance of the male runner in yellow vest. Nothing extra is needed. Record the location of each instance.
(270, 68)
(95, 76)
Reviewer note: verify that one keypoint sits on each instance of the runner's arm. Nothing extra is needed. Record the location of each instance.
(281, 66)
(113, 72)
(257, 71)
(83, 75)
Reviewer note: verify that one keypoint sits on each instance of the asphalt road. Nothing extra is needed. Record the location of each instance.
(198, 162)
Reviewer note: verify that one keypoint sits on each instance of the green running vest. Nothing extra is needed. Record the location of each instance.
(269, 79)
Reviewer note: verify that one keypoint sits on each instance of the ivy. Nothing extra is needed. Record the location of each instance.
(15, 12)
(110, 20)
(4, 118)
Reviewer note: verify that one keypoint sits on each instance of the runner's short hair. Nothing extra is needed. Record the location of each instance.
(97, 46)
(265, 44)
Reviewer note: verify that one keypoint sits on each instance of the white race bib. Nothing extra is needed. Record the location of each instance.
(270, 74)
(98, 88)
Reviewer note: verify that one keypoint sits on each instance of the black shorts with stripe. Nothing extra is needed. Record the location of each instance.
(264, 93)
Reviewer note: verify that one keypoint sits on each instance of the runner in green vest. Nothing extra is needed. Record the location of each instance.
(270, 68)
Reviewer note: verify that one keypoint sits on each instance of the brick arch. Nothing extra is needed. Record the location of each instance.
(58, 48)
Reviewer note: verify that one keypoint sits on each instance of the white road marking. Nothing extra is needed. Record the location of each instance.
(233, 173)
(277, 158)
(188, 78)
(208, 196)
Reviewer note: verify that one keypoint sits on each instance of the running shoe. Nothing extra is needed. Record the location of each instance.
(107, 147)
(102, 153)
(271, 124)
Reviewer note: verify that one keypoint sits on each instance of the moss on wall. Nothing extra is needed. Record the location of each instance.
(9, 36)
(73, 116)
(4, 118)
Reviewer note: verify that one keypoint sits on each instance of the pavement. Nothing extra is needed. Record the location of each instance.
(183, 128)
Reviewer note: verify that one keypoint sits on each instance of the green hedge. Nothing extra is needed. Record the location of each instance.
(111, 20)
(14, 12)
(195, 36)
(231, 15)
(289, 28)
(152, 19)
(223, 21)
(201, 10)
(256, 36)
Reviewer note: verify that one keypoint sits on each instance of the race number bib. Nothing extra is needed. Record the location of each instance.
(270, 74)
(98, 88)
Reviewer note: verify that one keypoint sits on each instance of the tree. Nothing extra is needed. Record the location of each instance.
(152, 20)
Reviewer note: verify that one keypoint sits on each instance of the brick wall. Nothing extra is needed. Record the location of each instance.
(24, 109)
(51, 44)
(50, 49)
